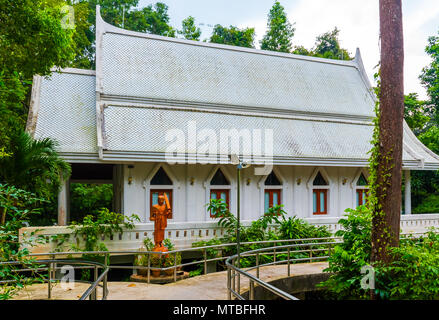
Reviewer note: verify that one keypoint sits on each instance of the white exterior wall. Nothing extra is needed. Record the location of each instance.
(189, 200)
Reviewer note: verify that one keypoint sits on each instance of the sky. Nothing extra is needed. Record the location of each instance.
(357, 20)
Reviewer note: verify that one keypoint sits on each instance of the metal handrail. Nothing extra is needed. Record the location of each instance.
(230, 263)
(91, 290)
(204, 249)
(174, 251)
(308, 242)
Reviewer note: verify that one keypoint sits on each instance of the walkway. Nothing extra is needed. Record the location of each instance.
(212, 286)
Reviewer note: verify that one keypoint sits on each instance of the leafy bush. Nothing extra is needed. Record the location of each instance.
(89, 199)
(92, 228)
(430, 204)
(413, 273)
(349, 257)
(16, 208)
(296, 228)
(166, 260)
(273, 225)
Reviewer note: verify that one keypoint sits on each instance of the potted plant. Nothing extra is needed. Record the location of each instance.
(156, 261)
(171, 260)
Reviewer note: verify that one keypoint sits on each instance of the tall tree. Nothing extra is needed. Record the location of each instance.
(32, 41)
(279, 30)
(189, 30)
(387, 170)
(233, 36)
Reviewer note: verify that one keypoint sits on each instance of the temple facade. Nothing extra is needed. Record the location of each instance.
(168, 115)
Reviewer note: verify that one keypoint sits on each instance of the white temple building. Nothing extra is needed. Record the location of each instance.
(165, 114)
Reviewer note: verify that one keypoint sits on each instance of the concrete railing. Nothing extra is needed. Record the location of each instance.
(183, 234)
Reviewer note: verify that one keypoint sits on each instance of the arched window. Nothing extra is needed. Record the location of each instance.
(272, 192)
(362, 190)
(320, 194)
(220, 188)
(160, 184)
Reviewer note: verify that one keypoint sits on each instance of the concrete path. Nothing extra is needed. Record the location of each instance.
(212, 286)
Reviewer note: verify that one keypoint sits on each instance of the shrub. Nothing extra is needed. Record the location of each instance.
(428, 205)
(273, 225)
(349, 257)
(16, 208)
(412, 274)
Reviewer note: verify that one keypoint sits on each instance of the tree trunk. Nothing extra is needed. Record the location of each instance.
(386, 218)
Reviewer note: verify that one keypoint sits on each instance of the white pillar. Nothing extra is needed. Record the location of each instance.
(63, 203)
(408, 193)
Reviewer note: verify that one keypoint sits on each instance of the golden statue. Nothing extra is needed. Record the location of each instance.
(160, 213)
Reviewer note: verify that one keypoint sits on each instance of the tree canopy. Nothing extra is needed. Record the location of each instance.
(189, 30)
(327, 46)
(233, 36)
(279, 30)
(430, 74)
(32, 41)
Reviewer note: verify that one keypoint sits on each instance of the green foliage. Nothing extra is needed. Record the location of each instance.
(93, 227)
(32, 41)
(227, 220)
(16, 208)
(17, 205)
(32, 38)
(279, 30)
(349, 257)
(430, 74)
(419, 115)
(166, 260)
(296, 228)
(189, 30)
(416, 112)
(233, 36)
(301, 50)
(273, 225)
(152, 19)
(34, 165)
(429, 205)
(121, 13)
(327, 46)
(89, 199)
(414, 273)
(172, 259)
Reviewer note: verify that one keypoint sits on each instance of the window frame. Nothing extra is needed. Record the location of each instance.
(318, 191)
(270, 196)
(219, 191)
(359, 191)
(169, 191)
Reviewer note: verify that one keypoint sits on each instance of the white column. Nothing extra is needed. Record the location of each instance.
(63, 203)
(408, 193)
